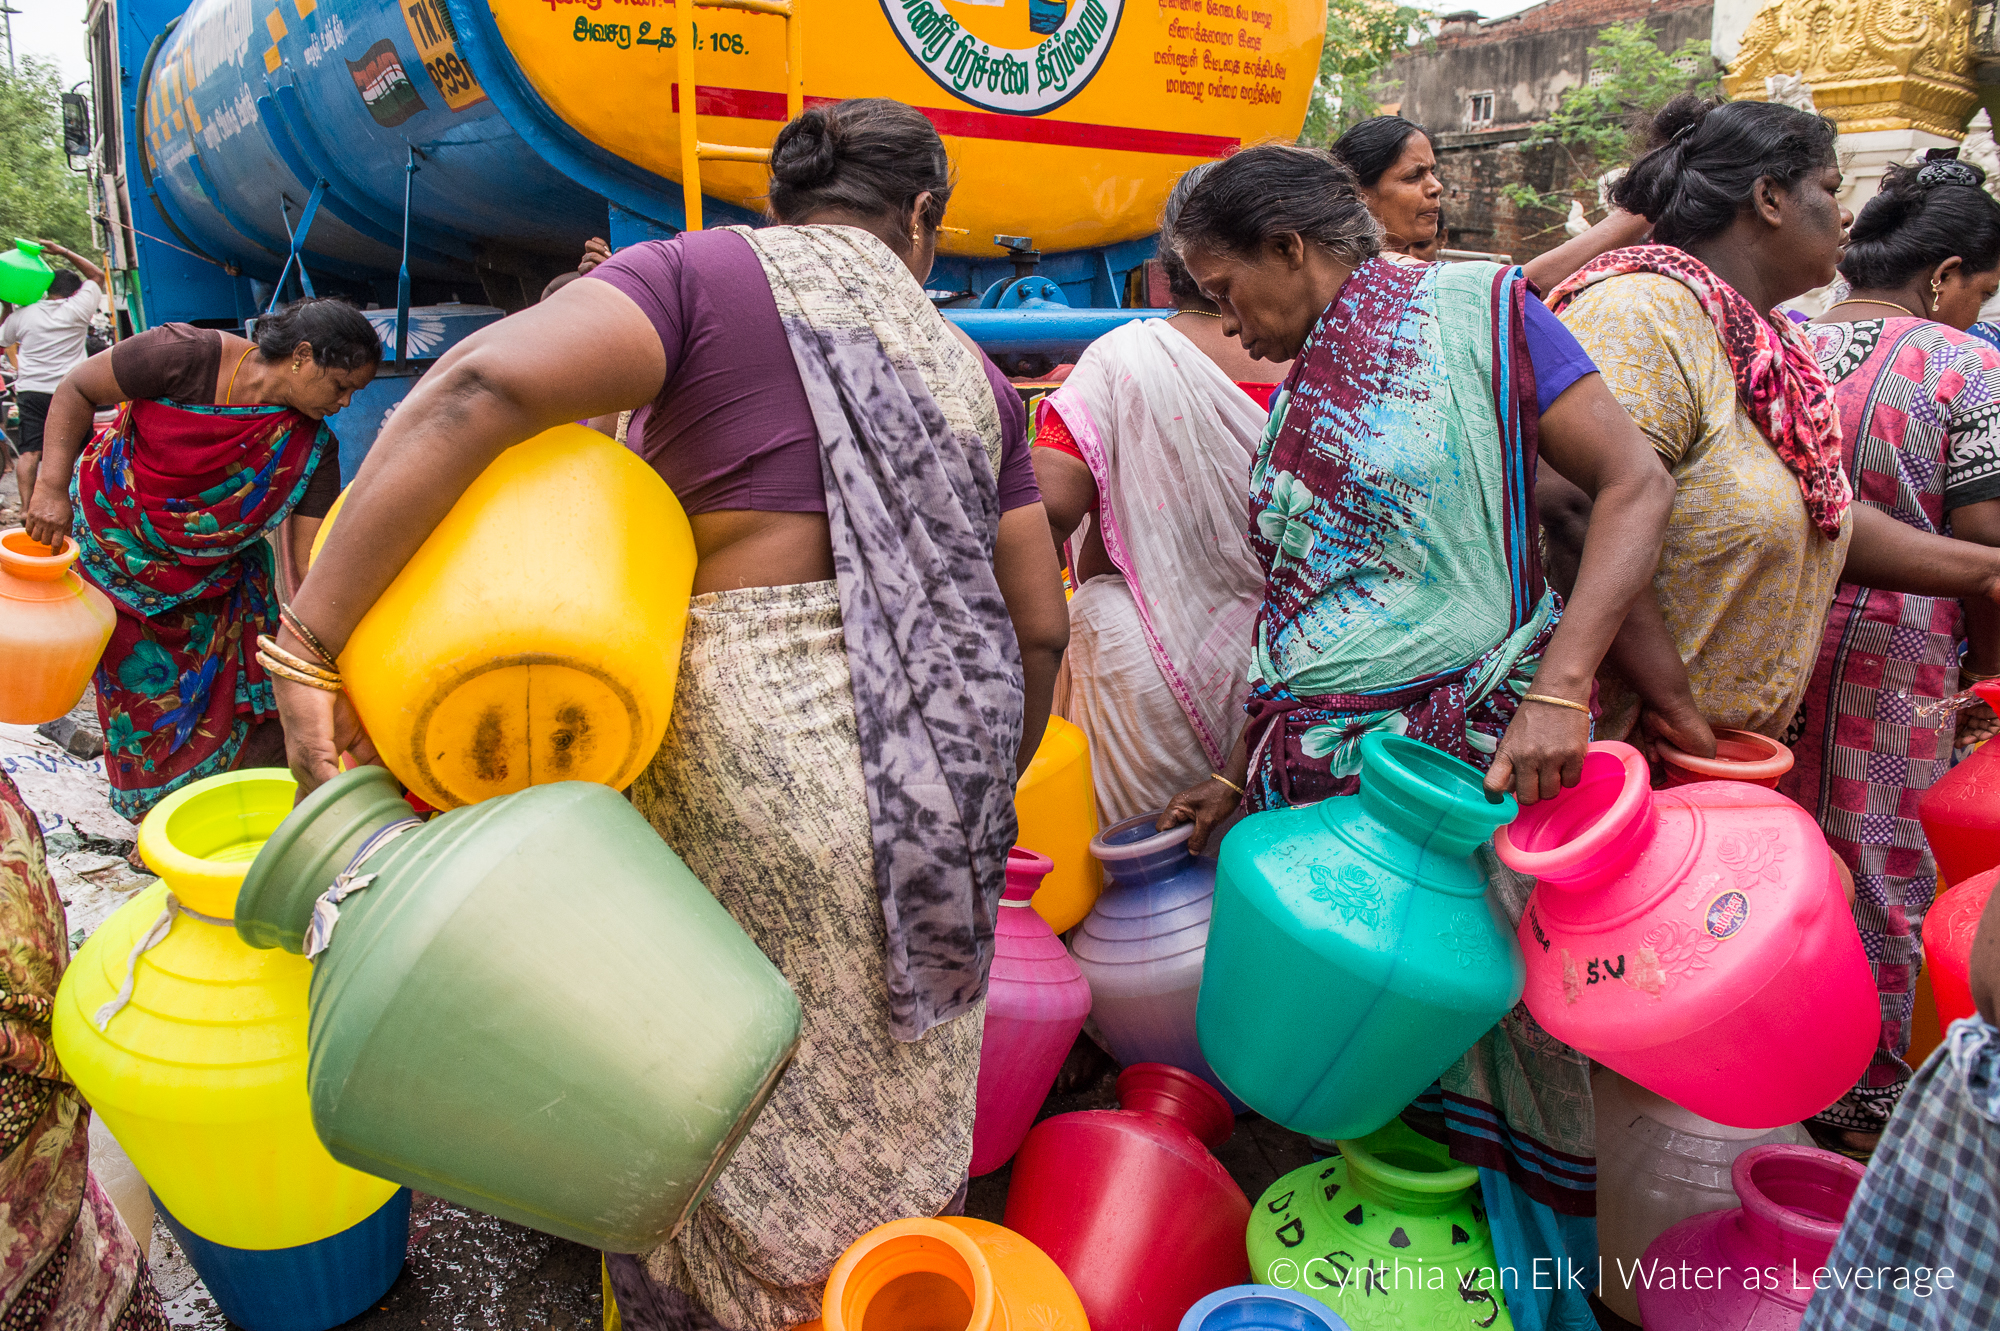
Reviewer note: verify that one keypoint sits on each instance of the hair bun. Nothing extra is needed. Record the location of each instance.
(804, 155)
(1679, 119)
(1942, 167)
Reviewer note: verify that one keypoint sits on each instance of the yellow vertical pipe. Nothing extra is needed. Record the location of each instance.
(795, 63)
(690, 152)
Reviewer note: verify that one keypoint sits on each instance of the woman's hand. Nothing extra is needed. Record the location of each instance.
(1206, 806)
(48, 518)
(319, 727)
(1677, 724)
(1541, 753)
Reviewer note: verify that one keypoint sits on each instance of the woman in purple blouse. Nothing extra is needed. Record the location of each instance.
(871, 648)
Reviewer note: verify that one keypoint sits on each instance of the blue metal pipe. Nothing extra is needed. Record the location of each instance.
(1051, 330)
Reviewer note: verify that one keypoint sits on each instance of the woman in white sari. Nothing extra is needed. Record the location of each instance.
(1143, 458)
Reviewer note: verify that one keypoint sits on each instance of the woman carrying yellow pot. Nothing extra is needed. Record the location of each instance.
(877, 622)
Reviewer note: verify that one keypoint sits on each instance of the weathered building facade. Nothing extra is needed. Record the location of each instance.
(1482, 88)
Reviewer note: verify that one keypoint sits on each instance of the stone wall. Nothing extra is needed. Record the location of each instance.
(1526, 62)
(1475, 169)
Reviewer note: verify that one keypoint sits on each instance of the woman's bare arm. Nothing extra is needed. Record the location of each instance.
(585, 351)
(1068, 492)
(1985, 966)
(1615, 232)
(1644, 653)
(1980, 524)
(1031, 582)
(1587, 438)
(71, 409)
(1894, 557)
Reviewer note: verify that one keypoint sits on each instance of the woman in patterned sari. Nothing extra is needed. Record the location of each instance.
(220, 443)
(873, 641)
(1744, 199)
(1392, 507)
(1919, 406)
(1395, 521)
(67, 1262)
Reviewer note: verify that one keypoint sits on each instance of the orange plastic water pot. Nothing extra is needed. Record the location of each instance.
(948, 1274)
(1740, 755)
(53, 628)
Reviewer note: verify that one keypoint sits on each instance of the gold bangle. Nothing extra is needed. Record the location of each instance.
(290, 619)
(283, 671)
(1556, 702)
(1226, 781)
(267, 647)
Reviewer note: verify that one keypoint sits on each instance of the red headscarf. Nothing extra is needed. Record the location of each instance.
(1778, 378)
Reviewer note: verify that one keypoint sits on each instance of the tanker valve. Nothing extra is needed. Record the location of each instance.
(1021, 249)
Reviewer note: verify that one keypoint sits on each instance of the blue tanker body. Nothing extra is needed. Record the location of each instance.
(247, 109)
(230, 125)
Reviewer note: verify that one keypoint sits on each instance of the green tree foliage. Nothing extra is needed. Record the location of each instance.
(1601, 125)
(40, 197)
(1362, 37)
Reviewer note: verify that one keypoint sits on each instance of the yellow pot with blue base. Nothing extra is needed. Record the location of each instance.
(191, 1046)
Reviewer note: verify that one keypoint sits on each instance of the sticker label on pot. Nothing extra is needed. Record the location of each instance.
(1727, 913)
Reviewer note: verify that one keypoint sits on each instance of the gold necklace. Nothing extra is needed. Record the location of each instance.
(1206, 314)
(1862, 300)
(230, 396)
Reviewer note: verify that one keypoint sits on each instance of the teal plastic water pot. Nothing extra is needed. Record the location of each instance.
(24, 278)
(528, 1005)
(1352, 954)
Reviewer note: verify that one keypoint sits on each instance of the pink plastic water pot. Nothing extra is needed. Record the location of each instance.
(1695, 940)
(1750, 1268)
(1035, 1005)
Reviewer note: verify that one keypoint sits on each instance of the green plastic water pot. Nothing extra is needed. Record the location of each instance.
(530, 1007)
(1354, 953)
(24, 278)
(1391, 1233)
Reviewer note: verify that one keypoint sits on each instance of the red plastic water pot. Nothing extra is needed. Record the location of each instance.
(1740, 755)
(1948, 934)
(1961, 813)
(1131, 1205)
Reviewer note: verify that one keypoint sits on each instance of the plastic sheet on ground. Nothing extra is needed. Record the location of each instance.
(87, 842)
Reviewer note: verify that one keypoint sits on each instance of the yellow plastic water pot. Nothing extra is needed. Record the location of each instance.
(1057, 807)
(536, 635)
(201, 1075)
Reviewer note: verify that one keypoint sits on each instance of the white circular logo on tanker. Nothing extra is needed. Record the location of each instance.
(1026, 80)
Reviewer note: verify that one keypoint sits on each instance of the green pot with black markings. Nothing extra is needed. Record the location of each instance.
(1389, 1233)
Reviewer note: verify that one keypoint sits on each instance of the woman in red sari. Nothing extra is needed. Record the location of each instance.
(222, 442)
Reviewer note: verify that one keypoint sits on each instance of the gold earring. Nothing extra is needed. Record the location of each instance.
(1936, 293)
(295, 366)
